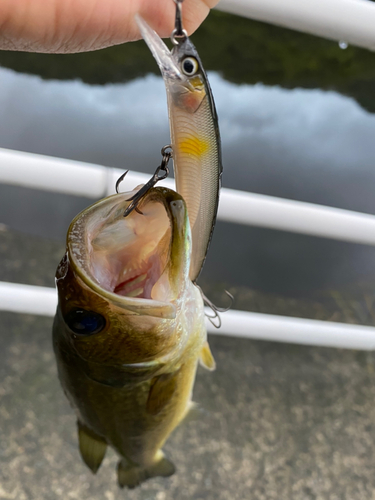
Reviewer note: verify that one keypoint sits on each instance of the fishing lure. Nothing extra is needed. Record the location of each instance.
(195, 136)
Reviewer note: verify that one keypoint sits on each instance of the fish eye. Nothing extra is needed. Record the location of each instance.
(83, 322)
(190, 66)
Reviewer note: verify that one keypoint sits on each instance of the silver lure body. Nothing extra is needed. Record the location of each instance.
(195, 137)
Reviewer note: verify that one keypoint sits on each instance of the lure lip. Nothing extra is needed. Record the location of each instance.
(163, 56)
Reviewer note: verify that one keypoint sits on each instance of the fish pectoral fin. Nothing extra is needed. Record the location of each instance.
(193, 412)
(132, 475)
(206, 359)
(161, 392)
(91, 446)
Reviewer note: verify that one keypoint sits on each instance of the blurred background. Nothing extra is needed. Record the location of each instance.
(297, 121)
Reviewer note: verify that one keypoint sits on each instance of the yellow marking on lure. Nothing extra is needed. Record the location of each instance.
(194, 146)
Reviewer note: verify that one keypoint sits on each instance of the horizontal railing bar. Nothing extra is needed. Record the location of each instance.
(296, 216)
(38, 300)
(52, 174)
(66, 176)
(27, 299)
(351, 21)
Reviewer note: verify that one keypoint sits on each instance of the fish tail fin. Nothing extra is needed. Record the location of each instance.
(91, 446)
(132, 475)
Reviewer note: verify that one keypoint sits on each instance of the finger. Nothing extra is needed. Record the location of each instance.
(64, 26)
(160, 14)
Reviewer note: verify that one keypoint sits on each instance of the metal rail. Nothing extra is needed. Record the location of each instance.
(54, 174)
(94, 181)
(351, 21)
(42, 301)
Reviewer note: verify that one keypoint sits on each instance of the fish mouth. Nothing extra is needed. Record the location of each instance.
(129, 255)
(137, 258)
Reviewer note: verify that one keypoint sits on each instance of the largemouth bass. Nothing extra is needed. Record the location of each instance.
(129, 330)
(195, 136)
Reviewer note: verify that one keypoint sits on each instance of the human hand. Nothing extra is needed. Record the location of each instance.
(67, 26)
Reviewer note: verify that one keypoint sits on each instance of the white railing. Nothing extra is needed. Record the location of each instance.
(351, 21)
(65, 176)
(95, 181)
(41, 300)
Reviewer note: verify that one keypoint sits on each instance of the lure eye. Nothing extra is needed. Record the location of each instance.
(83, 322)
(190, 66)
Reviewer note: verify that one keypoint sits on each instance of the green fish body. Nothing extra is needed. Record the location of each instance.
(129, 330)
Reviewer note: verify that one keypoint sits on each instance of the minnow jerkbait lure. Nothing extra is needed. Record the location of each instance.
(195, 136)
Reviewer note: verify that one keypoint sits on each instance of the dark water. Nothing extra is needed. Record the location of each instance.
(296, 121)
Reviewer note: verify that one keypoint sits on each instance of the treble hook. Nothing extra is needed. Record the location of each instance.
(136, 198)
(119, 180)
(178, 34)
(216, 310)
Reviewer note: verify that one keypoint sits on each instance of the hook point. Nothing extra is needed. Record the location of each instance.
(119, 180)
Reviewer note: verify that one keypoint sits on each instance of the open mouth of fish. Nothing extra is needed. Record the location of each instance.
(128, 256)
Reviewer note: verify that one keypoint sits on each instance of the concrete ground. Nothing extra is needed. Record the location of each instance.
(280, 421)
